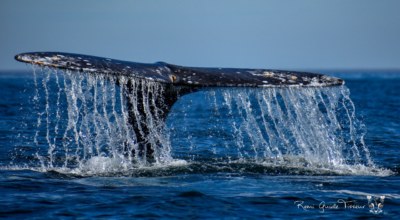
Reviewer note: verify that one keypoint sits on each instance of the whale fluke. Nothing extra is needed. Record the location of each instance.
(176, 81)
(179, 75)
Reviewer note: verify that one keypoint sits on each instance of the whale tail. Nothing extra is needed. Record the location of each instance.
(175, 81)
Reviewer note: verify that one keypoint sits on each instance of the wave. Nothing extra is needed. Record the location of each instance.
(117, 167)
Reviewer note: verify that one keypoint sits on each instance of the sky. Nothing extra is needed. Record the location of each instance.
(276, 34)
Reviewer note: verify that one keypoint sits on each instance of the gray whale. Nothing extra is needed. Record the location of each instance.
(177, 81)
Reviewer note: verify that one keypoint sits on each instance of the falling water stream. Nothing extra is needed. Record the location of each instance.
(83, 128)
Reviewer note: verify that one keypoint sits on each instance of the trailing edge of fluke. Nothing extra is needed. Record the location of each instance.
(179, 75)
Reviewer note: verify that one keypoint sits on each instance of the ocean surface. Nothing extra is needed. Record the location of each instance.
(224, 153)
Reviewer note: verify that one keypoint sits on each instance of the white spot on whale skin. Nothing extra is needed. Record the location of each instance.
(268, 74)
(316, 82)
(252, 72)
(25, 58)
(327, 78)
(89, 69)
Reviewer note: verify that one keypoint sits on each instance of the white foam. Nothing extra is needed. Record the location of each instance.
(101, 164)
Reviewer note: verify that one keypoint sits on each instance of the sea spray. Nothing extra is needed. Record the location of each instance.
(300, 127)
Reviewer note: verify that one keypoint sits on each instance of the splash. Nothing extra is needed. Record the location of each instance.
(86, 126)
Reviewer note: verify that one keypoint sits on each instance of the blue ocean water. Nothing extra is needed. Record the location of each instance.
(219, 168)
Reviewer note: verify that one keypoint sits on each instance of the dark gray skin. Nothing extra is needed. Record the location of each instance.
(179, 75)
(178, 80)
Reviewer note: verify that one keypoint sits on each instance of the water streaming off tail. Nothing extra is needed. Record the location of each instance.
(85, 117)
(314, 127)
(85, 124)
